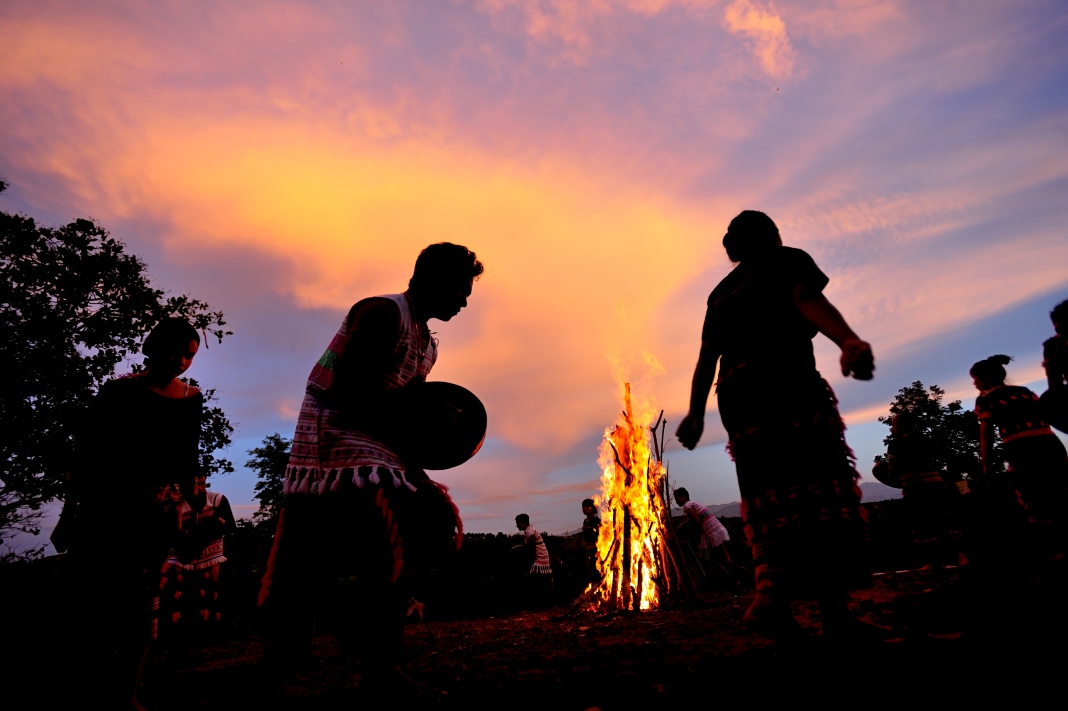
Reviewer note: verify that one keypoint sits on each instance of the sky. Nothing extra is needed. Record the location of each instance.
(282, 160)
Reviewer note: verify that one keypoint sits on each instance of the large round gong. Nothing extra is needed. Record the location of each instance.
(447, 425)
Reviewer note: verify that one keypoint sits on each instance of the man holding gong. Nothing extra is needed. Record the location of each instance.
(360, 511)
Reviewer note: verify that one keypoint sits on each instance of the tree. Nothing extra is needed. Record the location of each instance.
(269, 460)
(953, 430)
(73, 305)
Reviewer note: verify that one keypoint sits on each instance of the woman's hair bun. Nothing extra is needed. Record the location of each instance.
(1000, 359)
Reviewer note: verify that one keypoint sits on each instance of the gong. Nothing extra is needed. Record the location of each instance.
(446, 425)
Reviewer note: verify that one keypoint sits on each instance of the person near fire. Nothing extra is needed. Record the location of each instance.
(356, 513)
(539, 576)
(119, 517)
(1037, 461)
(800, 499)
(591, 526)
(713, 533)
(191, 585)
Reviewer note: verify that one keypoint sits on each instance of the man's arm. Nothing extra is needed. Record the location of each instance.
(368, 356)
(857, 357)
(693, 425)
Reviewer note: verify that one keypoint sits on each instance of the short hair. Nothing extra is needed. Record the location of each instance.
(749, 234)
(1059, 314)
(169, 337)
(522, 518)
(991, 370)
(589, 502)
(445, 262)
(681, 491)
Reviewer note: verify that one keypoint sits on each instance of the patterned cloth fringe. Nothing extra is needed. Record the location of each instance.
(540, 570)
(301, 480)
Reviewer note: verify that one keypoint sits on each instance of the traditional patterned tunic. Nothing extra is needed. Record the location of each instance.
(327, 448)
(1038, 463)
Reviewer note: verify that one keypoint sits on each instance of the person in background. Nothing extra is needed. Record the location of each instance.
(911, 465)
(539, 576)
(119, 516)
(591, 526)
(713, 534)
(1055, 362)
(1037, 461)
(800, 499)
(192, 571)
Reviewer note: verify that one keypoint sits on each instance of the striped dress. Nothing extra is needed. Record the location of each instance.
(327, 450)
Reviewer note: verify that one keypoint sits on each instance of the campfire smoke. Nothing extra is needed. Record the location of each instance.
(634, 543)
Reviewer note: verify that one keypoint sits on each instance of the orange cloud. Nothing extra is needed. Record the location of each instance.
(766, 32)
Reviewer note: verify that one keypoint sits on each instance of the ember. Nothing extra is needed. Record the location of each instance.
(636, 543)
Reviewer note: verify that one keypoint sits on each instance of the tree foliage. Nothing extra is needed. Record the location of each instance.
(953, 431)
(73, 305)
(269, 461)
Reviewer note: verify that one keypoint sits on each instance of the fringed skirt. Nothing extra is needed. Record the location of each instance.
(329, 452)
(800, 499)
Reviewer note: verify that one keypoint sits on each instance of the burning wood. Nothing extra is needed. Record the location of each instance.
(636, 541)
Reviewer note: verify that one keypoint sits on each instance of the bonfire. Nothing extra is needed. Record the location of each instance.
(636, 543)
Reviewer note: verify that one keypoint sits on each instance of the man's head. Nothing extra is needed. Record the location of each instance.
(588, 506)
(522, 521)
(442, 280)
(681, 496)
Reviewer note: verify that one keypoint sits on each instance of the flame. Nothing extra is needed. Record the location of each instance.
(632, 483)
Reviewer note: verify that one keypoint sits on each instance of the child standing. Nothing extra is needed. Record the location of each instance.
(590, 530)
(540, 575)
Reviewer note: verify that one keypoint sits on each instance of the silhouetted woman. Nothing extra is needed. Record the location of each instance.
(800, 501)
(1038, 463)
(120, 517)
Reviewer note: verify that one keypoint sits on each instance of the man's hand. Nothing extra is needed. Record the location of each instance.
(689, 432)
(857, 359)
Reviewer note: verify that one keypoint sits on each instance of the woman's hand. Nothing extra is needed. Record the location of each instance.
(857, 359)
(689, 432)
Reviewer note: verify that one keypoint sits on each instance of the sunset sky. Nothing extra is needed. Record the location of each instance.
(281, 160)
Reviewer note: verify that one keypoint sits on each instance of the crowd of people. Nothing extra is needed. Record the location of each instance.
(145, 536)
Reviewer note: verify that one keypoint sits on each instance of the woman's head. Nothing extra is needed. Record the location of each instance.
(750, 234)
(170, 347)
(681, 495)
(990, 372)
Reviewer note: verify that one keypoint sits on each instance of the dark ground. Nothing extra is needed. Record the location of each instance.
(992, 631)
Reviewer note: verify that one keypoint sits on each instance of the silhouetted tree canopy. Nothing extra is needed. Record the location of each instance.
(953, 430)
(269, 461)
(73, 305)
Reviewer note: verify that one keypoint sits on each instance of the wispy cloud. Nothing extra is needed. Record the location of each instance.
(765, 31)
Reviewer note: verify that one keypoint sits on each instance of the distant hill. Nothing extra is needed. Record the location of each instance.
(734, 508)
(872, 491)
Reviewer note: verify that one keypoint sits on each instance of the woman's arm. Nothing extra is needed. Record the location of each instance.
(693, 425)
(857, 357)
